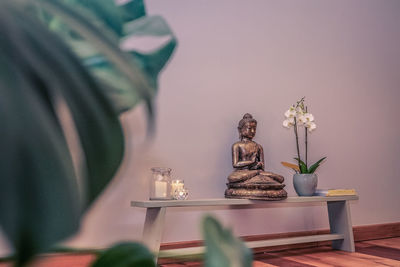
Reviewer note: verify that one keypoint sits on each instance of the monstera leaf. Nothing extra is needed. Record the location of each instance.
(41, 197)
(127, 77)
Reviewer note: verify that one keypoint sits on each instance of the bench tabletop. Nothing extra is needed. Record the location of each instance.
(234, 202)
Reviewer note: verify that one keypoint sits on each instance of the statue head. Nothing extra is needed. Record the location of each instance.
(247, 127)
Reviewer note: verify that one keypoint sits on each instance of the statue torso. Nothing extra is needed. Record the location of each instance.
(248, 150)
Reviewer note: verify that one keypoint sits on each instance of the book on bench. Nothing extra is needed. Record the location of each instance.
(335, 192)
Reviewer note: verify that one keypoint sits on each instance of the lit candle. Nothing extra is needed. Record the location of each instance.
(160, 189)
(176, 184)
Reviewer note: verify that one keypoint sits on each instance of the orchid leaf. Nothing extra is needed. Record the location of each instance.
(302, 166)
(222, 248)
(314, 167)
(291, 165)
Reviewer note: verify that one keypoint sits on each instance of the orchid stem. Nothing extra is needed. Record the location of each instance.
(306, 145)
(297, 141)
(305, 128)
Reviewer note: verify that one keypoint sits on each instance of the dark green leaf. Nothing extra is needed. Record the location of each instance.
(314, 167)
(41, 199)
(126, 255)
(111, 15)
(302, 166)
(99, 129)
(131, 10)
(222, 248)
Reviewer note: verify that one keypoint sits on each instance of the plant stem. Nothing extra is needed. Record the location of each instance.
(297, 141)
(305, 128)
(306, 144)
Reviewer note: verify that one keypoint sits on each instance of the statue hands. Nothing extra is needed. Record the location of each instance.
(260, 165)
(256, 165)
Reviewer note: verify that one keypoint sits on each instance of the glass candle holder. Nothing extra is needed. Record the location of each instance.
(160, 184)
(180, 194)
(175, 185)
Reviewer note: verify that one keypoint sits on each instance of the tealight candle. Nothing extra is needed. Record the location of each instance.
(176, 185)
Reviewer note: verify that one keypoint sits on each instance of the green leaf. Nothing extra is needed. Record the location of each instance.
(126, 255)
(314, 167)
(130, 77)
(105, 11)
(302, 166)
(104, 41)
(154, 61)
(41, 198)
(123, 94)
(108, 13)
(132, 9)
(222, 248)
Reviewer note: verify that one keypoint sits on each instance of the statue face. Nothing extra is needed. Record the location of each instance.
(249, 130)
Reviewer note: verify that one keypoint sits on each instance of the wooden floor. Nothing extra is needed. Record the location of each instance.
(383, 252)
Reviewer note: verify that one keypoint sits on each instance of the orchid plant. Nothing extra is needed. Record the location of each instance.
(297, 116)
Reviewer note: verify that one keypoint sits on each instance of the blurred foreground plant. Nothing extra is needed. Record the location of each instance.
(222, 248)
(50, 86)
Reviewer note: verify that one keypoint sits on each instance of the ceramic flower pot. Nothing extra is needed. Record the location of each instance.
(305, 183)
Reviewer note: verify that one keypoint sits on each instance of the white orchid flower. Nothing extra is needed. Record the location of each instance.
(301, 120)
(291, 112)
(311, 126)
(299, 111)
(289, 122)
(308, 117)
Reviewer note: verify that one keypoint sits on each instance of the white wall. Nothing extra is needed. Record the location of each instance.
(260, 57)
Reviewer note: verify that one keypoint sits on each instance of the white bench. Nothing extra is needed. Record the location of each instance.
(341, 231)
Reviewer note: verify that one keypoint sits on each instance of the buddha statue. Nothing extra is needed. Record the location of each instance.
(249, 180)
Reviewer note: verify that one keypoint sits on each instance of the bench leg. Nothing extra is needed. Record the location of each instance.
(153, 229)
(340, 223)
